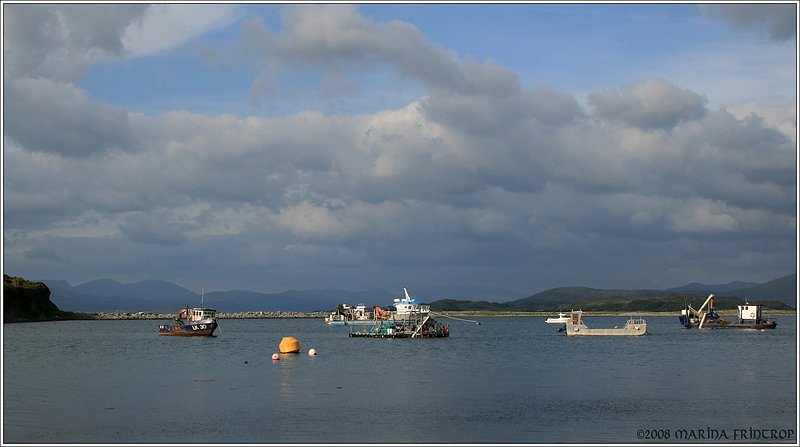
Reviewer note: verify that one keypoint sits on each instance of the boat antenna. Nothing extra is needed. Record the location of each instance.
(202, 292)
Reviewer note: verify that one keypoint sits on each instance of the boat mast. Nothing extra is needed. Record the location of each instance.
(202, 292)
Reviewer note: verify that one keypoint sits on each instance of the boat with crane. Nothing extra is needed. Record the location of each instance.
(749, 317)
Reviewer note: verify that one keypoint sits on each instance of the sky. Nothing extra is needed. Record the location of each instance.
(500, 149)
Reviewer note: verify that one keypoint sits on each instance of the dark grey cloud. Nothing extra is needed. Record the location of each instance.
(61, 42)
(43, 253)
(43, 115)
(780, 20)
(649, 105)
(152, 229)
(752, 148)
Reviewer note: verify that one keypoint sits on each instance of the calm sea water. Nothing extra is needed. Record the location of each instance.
(508, 380)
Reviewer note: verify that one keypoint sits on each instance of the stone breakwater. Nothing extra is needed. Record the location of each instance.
(220, 315)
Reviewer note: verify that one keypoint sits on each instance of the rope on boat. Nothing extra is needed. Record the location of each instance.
(454, 318)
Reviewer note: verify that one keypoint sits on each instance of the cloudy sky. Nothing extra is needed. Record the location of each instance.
(438, 147)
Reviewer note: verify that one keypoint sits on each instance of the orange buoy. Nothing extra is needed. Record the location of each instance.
(289, 345)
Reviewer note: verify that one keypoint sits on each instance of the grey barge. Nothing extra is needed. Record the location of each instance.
(633, 327)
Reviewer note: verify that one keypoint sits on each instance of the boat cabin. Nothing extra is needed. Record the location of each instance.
(202, 313)
(409, 307)
(749, 312)
(360, 312)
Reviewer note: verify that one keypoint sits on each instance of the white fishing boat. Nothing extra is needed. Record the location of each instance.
(562, 318)
(346, 315)
(407, 308)
(405, 317)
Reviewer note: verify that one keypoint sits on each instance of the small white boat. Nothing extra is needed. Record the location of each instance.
(562, 318)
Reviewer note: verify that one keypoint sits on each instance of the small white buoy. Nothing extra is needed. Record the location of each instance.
(276, 356)
(312, 352)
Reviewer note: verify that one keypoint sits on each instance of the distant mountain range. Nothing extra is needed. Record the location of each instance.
(778, 294)
(696, 287)
(783, 289)
(105, 295)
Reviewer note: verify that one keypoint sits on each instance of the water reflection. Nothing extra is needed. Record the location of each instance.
(287, 366)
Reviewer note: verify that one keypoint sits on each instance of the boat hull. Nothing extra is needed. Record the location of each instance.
(352, 323)
(556, 320)
(577, 330)
(397, 335)
(756, 326)
(717, 324)
(562, 317)
(205, 329)
(426, 328)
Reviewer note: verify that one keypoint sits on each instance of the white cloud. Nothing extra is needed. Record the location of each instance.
(165, 26)
(309, 221)
(704, 217)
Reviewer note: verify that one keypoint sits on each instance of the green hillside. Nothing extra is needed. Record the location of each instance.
(562, 297)
(567, 298)
(667, 303)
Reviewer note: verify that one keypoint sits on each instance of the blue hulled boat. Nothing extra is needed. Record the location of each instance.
(195, 321)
